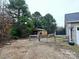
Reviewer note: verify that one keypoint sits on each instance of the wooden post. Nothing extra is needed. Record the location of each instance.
(29, 38)
(54, 37)
(39, 36)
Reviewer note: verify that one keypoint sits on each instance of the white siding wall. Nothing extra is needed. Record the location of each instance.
(76, 25)
(68, 31)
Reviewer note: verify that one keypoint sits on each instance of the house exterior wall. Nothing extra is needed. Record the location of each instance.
(68, 31)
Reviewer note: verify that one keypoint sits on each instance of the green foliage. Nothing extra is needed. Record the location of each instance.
(18, 9)
(49, 23)
(27, 28)
(37, 15)
(22, 29)
(37, 19)
(25, 24)
(15, 32)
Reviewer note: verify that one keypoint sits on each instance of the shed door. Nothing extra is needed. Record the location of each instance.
(77, 32)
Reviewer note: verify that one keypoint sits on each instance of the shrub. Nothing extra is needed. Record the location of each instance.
(15, 33)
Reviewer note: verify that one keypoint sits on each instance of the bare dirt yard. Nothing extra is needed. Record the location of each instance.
(45, 49)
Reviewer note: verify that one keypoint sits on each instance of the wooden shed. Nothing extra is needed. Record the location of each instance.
(38, 31)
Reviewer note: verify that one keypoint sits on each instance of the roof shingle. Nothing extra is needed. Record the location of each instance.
(72, 17)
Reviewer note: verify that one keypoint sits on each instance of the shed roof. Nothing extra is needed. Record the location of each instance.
(39, 29)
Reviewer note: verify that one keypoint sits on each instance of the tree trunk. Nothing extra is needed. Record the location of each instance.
(18, 15)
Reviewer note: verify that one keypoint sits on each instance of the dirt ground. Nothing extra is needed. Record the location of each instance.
(45, 49)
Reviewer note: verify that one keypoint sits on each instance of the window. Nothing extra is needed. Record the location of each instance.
(78, 28)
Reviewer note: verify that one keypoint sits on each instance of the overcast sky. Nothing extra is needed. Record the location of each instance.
(58, 8)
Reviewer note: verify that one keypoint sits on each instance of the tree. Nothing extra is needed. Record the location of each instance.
(26, 26)
(37, 19)
(18, 9)
(37, 15)
(60, 31)
(49, 23)
(5, 21)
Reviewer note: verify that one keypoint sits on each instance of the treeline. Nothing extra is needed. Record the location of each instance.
(60, 31)
(24, 23)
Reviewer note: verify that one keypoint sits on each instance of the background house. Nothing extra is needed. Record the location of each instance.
(72, 27)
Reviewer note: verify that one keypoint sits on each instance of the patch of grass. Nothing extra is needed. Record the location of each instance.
(62, 42)
(75, 48)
